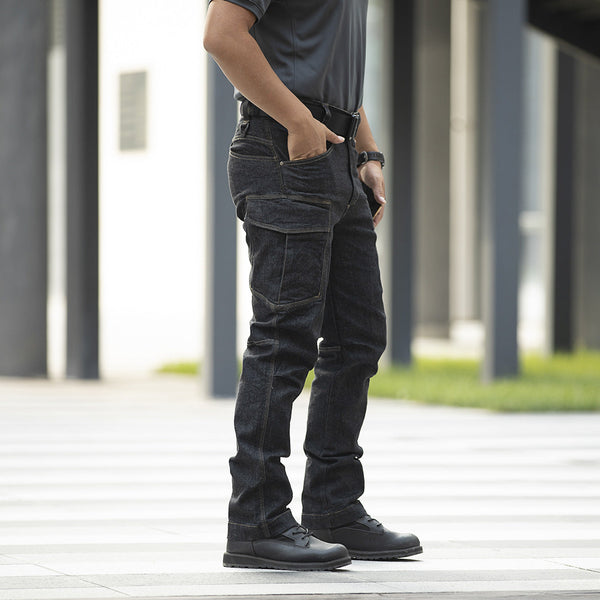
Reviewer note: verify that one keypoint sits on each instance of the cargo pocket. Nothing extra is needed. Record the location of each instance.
(288, 241)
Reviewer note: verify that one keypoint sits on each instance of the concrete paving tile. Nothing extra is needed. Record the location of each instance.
(545, 595)
(242, 590)
(345, 578)
(489, 576)
(45, 582)
(453, 564)
(591, 563)
(35, 533)
(81, 593)
(534, 543)
(523, 587)
(133, 565)
(10, 560)
(204, 564)
(23, 570)
(224, 576)
(112, 484)
(560, 555)
(191, 557)
(108, 548)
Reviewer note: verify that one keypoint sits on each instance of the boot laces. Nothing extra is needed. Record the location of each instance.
(370, 520)
(301, 532)
(300, 535)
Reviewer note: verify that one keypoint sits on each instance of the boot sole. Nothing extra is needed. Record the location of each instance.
(245, 561)
(386, 555)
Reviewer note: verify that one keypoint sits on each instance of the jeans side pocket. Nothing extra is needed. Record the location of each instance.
(288, 241)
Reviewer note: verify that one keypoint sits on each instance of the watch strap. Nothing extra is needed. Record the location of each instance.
(365, 156)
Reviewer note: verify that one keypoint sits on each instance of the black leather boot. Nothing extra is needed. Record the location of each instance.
(368, 539)
(295, 549)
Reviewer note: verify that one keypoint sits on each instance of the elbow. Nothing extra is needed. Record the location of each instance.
(218, 42)
(210, 42)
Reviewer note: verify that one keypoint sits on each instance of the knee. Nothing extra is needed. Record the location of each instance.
(376, 339)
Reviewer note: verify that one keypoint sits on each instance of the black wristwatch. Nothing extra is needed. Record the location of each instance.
(365, 156)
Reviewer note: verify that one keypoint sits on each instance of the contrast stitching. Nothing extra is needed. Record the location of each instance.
(286, 230)
(285, 306)
(244, 157)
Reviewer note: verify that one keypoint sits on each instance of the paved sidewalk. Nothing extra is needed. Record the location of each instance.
(119, 490)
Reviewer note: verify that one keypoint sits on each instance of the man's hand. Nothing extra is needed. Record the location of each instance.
(371, 174)
(310, 139)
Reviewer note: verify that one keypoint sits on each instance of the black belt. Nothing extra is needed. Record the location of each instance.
(341, 122)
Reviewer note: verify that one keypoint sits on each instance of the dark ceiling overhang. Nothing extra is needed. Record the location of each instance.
(576, 22)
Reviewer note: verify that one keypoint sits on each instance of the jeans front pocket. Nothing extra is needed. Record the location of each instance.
(288, 240)
(252, 148)
(312, 159)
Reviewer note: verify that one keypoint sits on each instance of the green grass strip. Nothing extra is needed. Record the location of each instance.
(180, 368)
(563, 382)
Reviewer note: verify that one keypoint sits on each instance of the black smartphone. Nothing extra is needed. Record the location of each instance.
(373, 204)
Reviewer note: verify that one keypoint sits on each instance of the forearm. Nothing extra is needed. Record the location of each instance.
(244, 64)
(364, 136)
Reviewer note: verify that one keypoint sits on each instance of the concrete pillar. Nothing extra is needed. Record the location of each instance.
(82, 188)
(219, 373)
(465, 214)
(432, 207)
(560, 334)
(23, 187)
(587, 223)
(403, 166)
(504, 22)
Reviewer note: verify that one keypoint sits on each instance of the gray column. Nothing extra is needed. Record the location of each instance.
(219, 371)
(402, 164)
(503, 113)
(561, 333)
(432, 208)
(23, 187)
(82, 188)
(587, 228)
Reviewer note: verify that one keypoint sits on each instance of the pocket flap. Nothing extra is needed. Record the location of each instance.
(288, 215)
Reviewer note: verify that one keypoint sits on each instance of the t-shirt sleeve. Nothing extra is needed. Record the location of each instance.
(256, 7)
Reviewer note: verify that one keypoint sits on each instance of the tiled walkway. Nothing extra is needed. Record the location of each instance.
(119, 490)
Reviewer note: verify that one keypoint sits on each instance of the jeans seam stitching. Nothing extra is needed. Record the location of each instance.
(285, 251)
(263, 433)
(246, 157)
(324, 501)
(283, 307)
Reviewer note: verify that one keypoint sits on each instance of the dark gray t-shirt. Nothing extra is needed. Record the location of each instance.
(316, 47)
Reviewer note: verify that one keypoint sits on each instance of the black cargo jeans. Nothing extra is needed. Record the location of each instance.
(314, 274)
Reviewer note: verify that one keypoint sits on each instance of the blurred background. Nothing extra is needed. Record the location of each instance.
(118, 245)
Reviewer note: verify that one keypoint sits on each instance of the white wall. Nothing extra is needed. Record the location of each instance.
(152, 201)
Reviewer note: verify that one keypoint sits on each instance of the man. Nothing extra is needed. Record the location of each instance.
(297, 161)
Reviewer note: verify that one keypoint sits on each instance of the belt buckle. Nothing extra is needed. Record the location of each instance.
(354, 125)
